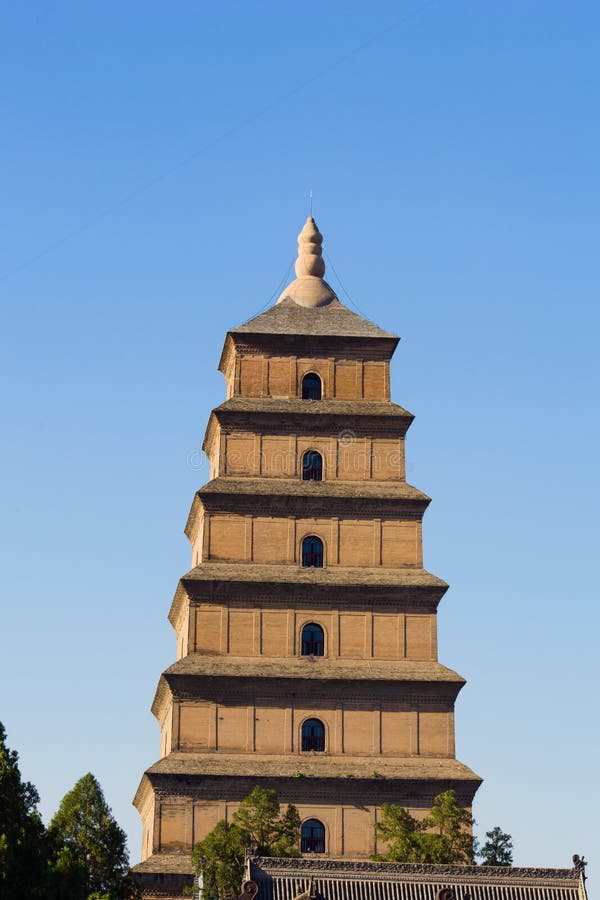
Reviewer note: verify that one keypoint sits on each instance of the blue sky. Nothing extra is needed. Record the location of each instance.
(156, 160)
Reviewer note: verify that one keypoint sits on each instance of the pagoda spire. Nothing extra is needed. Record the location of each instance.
(309, 288)
(310, 259)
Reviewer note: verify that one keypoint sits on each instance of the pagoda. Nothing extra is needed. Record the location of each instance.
(306, 628)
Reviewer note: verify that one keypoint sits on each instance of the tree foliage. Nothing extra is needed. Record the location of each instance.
(401, 832)
(498, 848)
(23, 850)
(90, 855)
(443, 836)
(220, 857)
(450, 830)
(82, 855)
(261, 820)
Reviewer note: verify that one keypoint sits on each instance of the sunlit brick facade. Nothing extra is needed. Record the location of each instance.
(307, 601)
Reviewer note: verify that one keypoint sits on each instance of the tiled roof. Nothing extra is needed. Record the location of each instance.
(294, 487)
(168, 863)
(335, 320)
(201, 677)
(256, 765)
(311, 667)
(165, 876)
(294, 496)
(342, 879)
(336, 576)
(315, 408)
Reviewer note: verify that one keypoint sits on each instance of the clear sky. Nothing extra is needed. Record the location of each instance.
(156, 159)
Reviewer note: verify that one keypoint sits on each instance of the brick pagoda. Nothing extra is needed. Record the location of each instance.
(306, 627)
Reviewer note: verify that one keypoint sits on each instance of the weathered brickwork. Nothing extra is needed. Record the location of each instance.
(259, 375)
(264, 631)
(273, 634)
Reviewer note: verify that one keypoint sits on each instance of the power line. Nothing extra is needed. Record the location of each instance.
(209, 145)
(333, 269)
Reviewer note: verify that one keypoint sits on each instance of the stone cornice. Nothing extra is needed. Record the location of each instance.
(370, 348)
(180, 601)
(242, 594)
(215, 689)
(290, 497)
(163, 699)
(143, 794)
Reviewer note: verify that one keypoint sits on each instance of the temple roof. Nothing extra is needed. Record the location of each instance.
(325, 878)
(345, 879)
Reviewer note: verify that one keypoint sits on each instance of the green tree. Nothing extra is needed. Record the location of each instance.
(443, 836)
(449, 830)
(90, 859)
(286, 841)
(259, 817)
(23, 849)
(220, 857)
(498, 849)
(401, 831)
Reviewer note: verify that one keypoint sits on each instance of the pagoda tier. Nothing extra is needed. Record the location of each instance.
(299, 672)
(210, 786)
(307, 626)
(292, 416)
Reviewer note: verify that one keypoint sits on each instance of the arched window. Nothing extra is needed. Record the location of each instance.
(313, 640)
(312, 466)
(312, 552)
(311, 386)
(312, 837)
(313, 735)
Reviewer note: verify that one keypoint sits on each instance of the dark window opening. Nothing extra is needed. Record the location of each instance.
(312, 552)
(313, 735)
(312, 837)
(313, 640)
(312, 466)
(311, 387)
